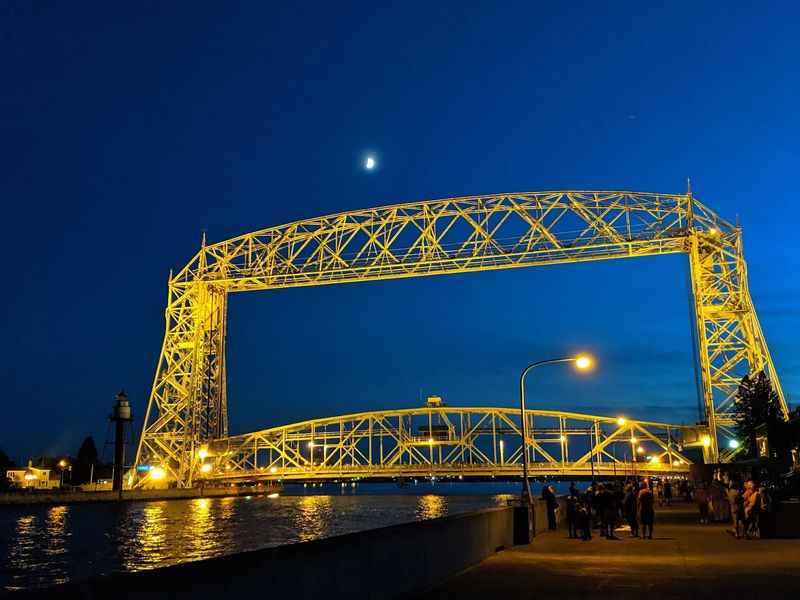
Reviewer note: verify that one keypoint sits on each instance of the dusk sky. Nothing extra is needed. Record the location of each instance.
(127, 131)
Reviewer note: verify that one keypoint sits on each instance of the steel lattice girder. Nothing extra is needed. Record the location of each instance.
(188, 406)
(448, 442)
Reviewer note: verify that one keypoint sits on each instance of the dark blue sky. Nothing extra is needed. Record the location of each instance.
(125, 132)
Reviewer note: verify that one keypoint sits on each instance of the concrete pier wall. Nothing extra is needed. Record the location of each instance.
(378, 564)
(59, 497)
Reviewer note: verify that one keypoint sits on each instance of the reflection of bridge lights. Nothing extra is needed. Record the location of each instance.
(273, 495)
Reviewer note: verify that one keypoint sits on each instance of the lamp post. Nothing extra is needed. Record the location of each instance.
(581, 362)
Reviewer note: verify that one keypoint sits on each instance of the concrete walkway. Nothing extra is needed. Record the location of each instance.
(684, 560)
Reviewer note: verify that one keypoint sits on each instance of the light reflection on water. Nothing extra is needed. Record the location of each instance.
(45, 545)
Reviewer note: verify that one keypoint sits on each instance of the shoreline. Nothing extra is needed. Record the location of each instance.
(56, 498)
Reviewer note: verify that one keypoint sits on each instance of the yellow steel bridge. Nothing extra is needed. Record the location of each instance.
(185, 434)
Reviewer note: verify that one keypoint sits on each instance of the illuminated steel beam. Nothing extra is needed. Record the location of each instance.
(188, 404)
(463, 442)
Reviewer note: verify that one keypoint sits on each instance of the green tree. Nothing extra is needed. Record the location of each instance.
(85, 460)
(757, 404)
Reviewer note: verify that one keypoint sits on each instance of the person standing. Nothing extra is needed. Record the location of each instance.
(629, 510)
(647, 510)
(572, 515)
(701, 497)
(667, 493)
(550, 504)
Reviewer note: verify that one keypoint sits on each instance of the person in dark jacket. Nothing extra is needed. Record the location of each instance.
(572, 515)
(551, 504)
(629, 510)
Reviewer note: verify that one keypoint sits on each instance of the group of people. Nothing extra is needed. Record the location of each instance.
(607, 505)
(728, 501)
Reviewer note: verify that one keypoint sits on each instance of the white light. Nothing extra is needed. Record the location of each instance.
(733, 444)
(369, 164)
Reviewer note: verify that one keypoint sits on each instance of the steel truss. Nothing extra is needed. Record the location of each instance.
(448, 442)
(188, 405)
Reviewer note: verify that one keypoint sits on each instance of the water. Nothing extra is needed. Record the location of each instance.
(44, 545)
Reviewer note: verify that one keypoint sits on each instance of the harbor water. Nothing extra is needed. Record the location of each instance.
(45, 545)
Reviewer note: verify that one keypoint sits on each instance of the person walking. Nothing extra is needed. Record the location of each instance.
(599, 505)
(585, 517)
(737, 510)
(647, 511)
(629, 510)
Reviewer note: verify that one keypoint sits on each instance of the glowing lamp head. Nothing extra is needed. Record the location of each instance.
(583, 362)
(202, 453)
(273, 469)
(706, 441)
(430, 440)
(562, 438)
(311, 444)
(157, 473)
(369, 163)
(733, 444)
(640, 450)
(62, 463)
(621, 421)
(206, 468)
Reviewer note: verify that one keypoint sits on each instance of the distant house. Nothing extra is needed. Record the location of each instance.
(33, 478)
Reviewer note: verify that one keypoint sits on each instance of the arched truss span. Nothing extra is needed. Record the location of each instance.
(188, 404)
(449, 442)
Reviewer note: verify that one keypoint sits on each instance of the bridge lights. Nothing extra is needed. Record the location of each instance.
(706, 441)
(733, 444)
(202, 453)
(621, 421)
(157, 473)
(583, 362)
(639, 450)
(206, 467)
(311, 445)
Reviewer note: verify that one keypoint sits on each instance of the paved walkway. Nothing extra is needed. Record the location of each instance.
(684, 560)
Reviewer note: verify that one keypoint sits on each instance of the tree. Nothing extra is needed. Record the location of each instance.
(757, 404)
(85, 461)
(5, 464)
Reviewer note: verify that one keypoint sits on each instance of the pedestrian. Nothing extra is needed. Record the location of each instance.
(647, 511)
(667, 493)
(660, 493)
(737, 510)
(585, 517)
(572, 515)
(573, 491)
(629, 510)
(752, 506)
(610, 513)
(599, 505)
(701, 497)
(550, 504)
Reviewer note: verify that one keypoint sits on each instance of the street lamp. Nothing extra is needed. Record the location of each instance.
(582, 362)
(63, 464)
